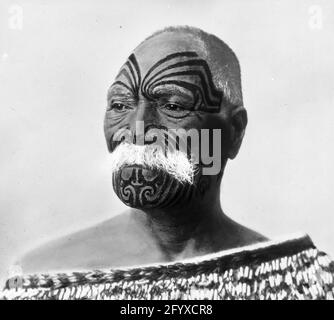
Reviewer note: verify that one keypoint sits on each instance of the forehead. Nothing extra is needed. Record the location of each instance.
(165, 44)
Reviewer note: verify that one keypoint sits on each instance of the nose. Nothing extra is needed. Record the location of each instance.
(146, 111)
(142, 119)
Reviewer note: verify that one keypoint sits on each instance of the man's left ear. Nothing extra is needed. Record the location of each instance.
(238, 125)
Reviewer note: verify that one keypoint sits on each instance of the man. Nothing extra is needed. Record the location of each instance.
(178, 78)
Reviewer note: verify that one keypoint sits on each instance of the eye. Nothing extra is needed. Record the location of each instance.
(174, 107)
(118, 107)
(175, 110)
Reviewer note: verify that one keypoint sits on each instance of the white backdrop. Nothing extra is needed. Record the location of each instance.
(57, 59)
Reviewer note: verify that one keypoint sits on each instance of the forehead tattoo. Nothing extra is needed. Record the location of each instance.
(175, 70)
(131, 73)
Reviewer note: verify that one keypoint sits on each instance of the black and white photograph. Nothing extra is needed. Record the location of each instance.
(166, 150)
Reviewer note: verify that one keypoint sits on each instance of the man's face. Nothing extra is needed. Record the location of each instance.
(165, 84)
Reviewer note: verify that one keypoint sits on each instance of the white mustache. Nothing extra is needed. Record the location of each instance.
(175, 163)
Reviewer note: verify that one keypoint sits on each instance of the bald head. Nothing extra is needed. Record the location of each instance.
(222, 61)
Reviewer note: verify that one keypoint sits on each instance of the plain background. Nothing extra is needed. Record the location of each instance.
(55, 69)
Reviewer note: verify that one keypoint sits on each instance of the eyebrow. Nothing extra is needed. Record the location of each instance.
(120, 89)
(172, 90)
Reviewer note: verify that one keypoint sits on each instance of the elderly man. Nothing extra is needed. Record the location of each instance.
(174, 241)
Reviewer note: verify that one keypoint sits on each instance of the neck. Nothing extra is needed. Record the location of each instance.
(187, 231)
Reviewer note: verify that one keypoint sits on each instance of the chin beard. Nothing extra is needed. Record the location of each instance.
(144, 188)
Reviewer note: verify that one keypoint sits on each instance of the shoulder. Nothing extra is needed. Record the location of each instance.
(94, 247)
(244, 236)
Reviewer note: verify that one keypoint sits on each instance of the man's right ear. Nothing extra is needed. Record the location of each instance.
(239, 121)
